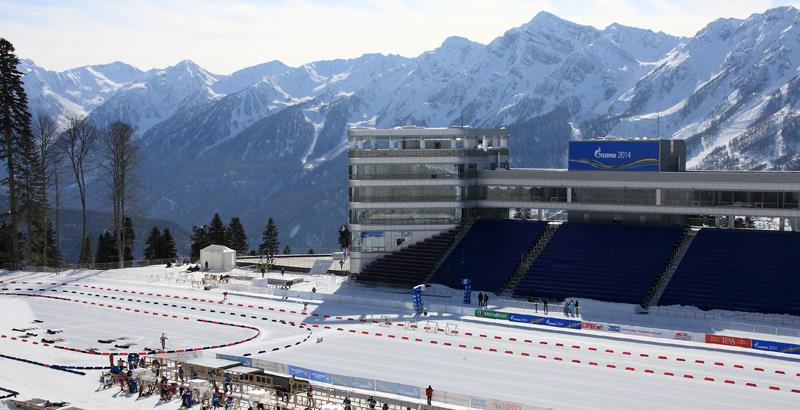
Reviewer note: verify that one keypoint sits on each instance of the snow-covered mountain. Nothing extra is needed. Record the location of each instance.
(269, 140)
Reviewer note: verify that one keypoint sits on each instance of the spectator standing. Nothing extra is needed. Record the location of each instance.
(429, 394)
(480, 299)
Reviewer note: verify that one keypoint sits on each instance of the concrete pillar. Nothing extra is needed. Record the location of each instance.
(782, 222)
(541, 214)
(658, 197)
(569, 194)
(731, 219)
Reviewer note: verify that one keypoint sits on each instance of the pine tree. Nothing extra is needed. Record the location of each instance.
(33, 201)
(287, 250)
(52, 254)
(199, 239)
(129, 238)
(236, 236)
(270, 243)
(216, 231)
(152, 244)
(167, 248)
(14, 123)
(344, 236)
(86, 251)
(99, 256)
(106, 248)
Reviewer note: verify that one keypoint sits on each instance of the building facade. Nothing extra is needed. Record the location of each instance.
(407, 184)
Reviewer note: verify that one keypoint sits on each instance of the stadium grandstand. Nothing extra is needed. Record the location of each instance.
(434, 205)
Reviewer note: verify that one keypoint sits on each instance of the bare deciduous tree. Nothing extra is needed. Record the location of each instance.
(45, 130)
(77, 143)
(120, 158)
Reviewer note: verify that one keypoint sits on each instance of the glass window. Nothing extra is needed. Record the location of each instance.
(407, 193)
(405, 216)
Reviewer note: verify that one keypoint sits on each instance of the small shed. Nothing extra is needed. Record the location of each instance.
(219, 257)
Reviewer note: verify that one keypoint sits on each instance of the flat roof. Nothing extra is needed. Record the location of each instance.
(426, 132)
(789, 179)
(243, 370)
(213, 363)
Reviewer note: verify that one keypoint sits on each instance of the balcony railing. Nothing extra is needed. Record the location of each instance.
(408, 198)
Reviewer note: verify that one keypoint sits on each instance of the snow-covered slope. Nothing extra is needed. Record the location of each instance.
(271, 132)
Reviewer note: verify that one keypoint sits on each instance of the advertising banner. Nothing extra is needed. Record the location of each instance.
(397, 388)
(593, 326)
(299, 372)
(356, 382)
(270, 366)
(776, 346)
(729, 341)
(536, 320)
(614, 156)
(320, 377)
(245, 361)
(491, 314)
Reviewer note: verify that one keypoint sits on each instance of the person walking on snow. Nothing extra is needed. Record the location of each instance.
(429, 394)
(224, 296)
(544, 305)
(486, 300)
(480, 299)
(163, 341)
(206, 265)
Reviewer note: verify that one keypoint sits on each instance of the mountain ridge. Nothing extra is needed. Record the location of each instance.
(270, 132)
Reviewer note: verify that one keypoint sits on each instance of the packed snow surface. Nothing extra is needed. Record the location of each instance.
(554, 368)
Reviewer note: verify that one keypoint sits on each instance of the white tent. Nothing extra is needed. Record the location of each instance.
(218, 257)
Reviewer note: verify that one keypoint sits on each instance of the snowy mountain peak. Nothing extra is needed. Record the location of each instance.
(731, 91)
(545, 19)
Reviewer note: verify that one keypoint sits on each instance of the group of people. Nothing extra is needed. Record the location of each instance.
(483, 299)
(371, 402)
(571, 308)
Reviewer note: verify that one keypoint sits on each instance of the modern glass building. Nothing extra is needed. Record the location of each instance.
(408, 184)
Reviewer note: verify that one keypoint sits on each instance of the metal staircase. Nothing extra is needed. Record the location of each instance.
(529, 258)
(663, 280)
(462, 230)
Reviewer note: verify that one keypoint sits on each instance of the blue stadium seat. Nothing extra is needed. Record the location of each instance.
(735, 269)
(616, 263)
(488, 253)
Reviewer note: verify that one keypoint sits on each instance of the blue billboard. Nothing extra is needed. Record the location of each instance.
(614, 155)
(776, 346)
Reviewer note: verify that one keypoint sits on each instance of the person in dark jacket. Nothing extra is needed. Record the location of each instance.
(480, 299)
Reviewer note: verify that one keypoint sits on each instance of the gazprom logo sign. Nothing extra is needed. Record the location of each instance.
(614, 156)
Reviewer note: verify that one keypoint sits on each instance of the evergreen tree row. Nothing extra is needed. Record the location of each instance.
(160, 245)
(233, 236)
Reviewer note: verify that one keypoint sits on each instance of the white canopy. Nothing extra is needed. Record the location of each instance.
(219, 257)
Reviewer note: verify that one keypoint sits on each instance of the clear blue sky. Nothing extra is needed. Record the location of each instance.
(223, 36)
